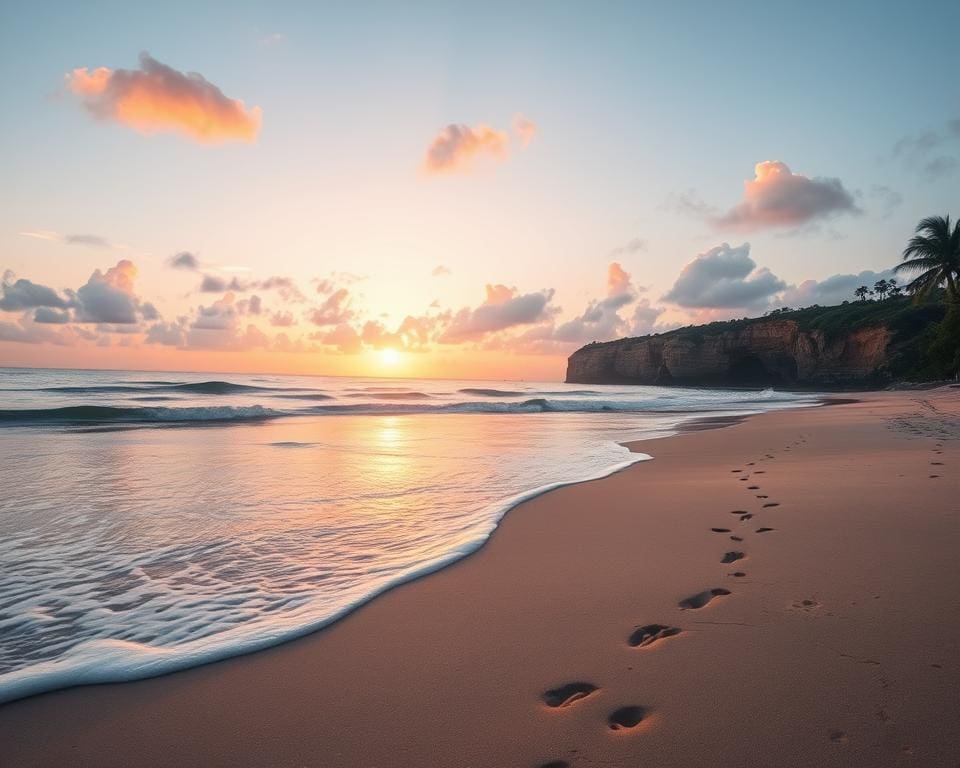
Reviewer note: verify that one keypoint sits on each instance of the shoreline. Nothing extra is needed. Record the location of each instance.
(166, 661)
(450, 668)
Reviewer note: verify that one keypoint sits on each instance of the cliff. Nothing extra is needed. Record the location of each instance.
(867, 344)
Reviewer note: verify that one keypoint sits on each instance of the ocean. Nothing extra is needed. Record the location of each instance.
(155, 521)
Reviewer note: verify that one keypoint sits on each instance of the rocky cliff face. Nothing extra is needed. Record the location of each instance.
(770, 352)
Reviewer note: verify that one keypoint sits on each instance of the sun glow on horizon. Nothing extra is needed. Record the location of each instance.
(389, 357)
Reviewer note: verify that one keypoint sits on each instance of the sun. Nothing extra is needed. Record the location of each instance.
(389, 356)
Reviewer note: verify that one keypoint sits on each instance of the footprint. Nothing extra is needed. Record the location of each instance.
(738, 574)
(838, 737)
(753, 487)
(736, 470)
(649, 634)
(702, 598)
(556, 764)
(771, 504)
(933, 476)
(747, 516)
(732, 557)
(720, 530)
(760, 472)
(568, 694)
(626, 718)
(738, 511)
(936, 463)
(762, 496)
(765, 530)
(736, 538)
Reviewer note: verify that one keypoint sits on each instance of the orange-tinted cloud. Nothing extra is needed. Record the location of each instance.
(778, 198)
(158, 98)
(618, 280)
(457, 146)
(524, 128)
(335, 310)
(503, 308)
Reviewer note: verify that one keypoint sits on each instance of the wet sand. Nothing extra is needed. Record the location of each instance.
(784, 591)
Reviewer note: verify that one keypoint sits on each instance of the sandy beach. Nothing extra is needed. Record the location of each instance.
(808, 559)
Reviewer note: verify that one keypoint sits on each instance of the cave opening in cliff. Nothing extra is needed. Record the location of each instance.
(751, 371)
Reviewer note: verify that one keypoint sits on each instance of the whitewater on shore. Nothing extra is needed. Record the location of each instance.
(153, 522)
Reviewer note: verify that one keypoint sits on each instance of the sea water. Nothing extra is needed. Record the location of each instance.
(151, 522)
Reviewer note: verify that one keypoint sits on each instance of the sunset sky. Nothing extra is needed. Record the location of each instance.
(479, 187)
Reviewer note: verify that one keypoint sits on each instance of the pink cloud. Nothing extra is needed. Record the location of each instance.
(524, 129)
(503, 308)
(335, 309)
(158, 98)
(457, 146)
(775, 197)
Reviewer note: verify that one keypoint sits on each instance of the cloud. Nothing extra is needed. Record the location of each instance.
(940, 167)
(184, 260)
(167, 334)
(457, 146)
(218, 326)
(888, 199)
(413, 334)
(158, 98)
(630, 248)
(778, 198)
(343, 336)
(90, 241)
(724, 278)
(16, 295)
(503, 308)
(524, 129)
(217, 284)
(441, 271)
(833, 290)
(109, 297)
(51, 316)
(251, 306)
(335, 309)
(619, 289)
(282, 319)
(219, 316)
(284, 286)
(689, 203)
(94, 241)
(935, 154)
(644, 319)
(601, 319)
(28, 331)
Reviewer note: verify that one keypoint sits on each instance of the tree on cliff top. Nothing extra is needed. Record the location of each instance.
(934, 253)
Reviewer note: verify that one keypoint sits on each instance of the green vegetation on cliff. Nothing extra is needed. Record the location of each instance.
(913, 354)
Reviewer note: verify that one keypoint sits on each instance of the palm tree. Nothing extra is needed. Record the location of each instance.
(934, 253)
(862, 292)
(880, 288)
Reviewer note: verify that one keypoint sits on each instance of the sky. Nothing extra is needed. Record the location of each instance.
(465, 190)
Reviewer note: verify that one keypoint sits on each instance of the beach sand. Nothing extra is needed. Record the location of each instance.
(837, 645)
